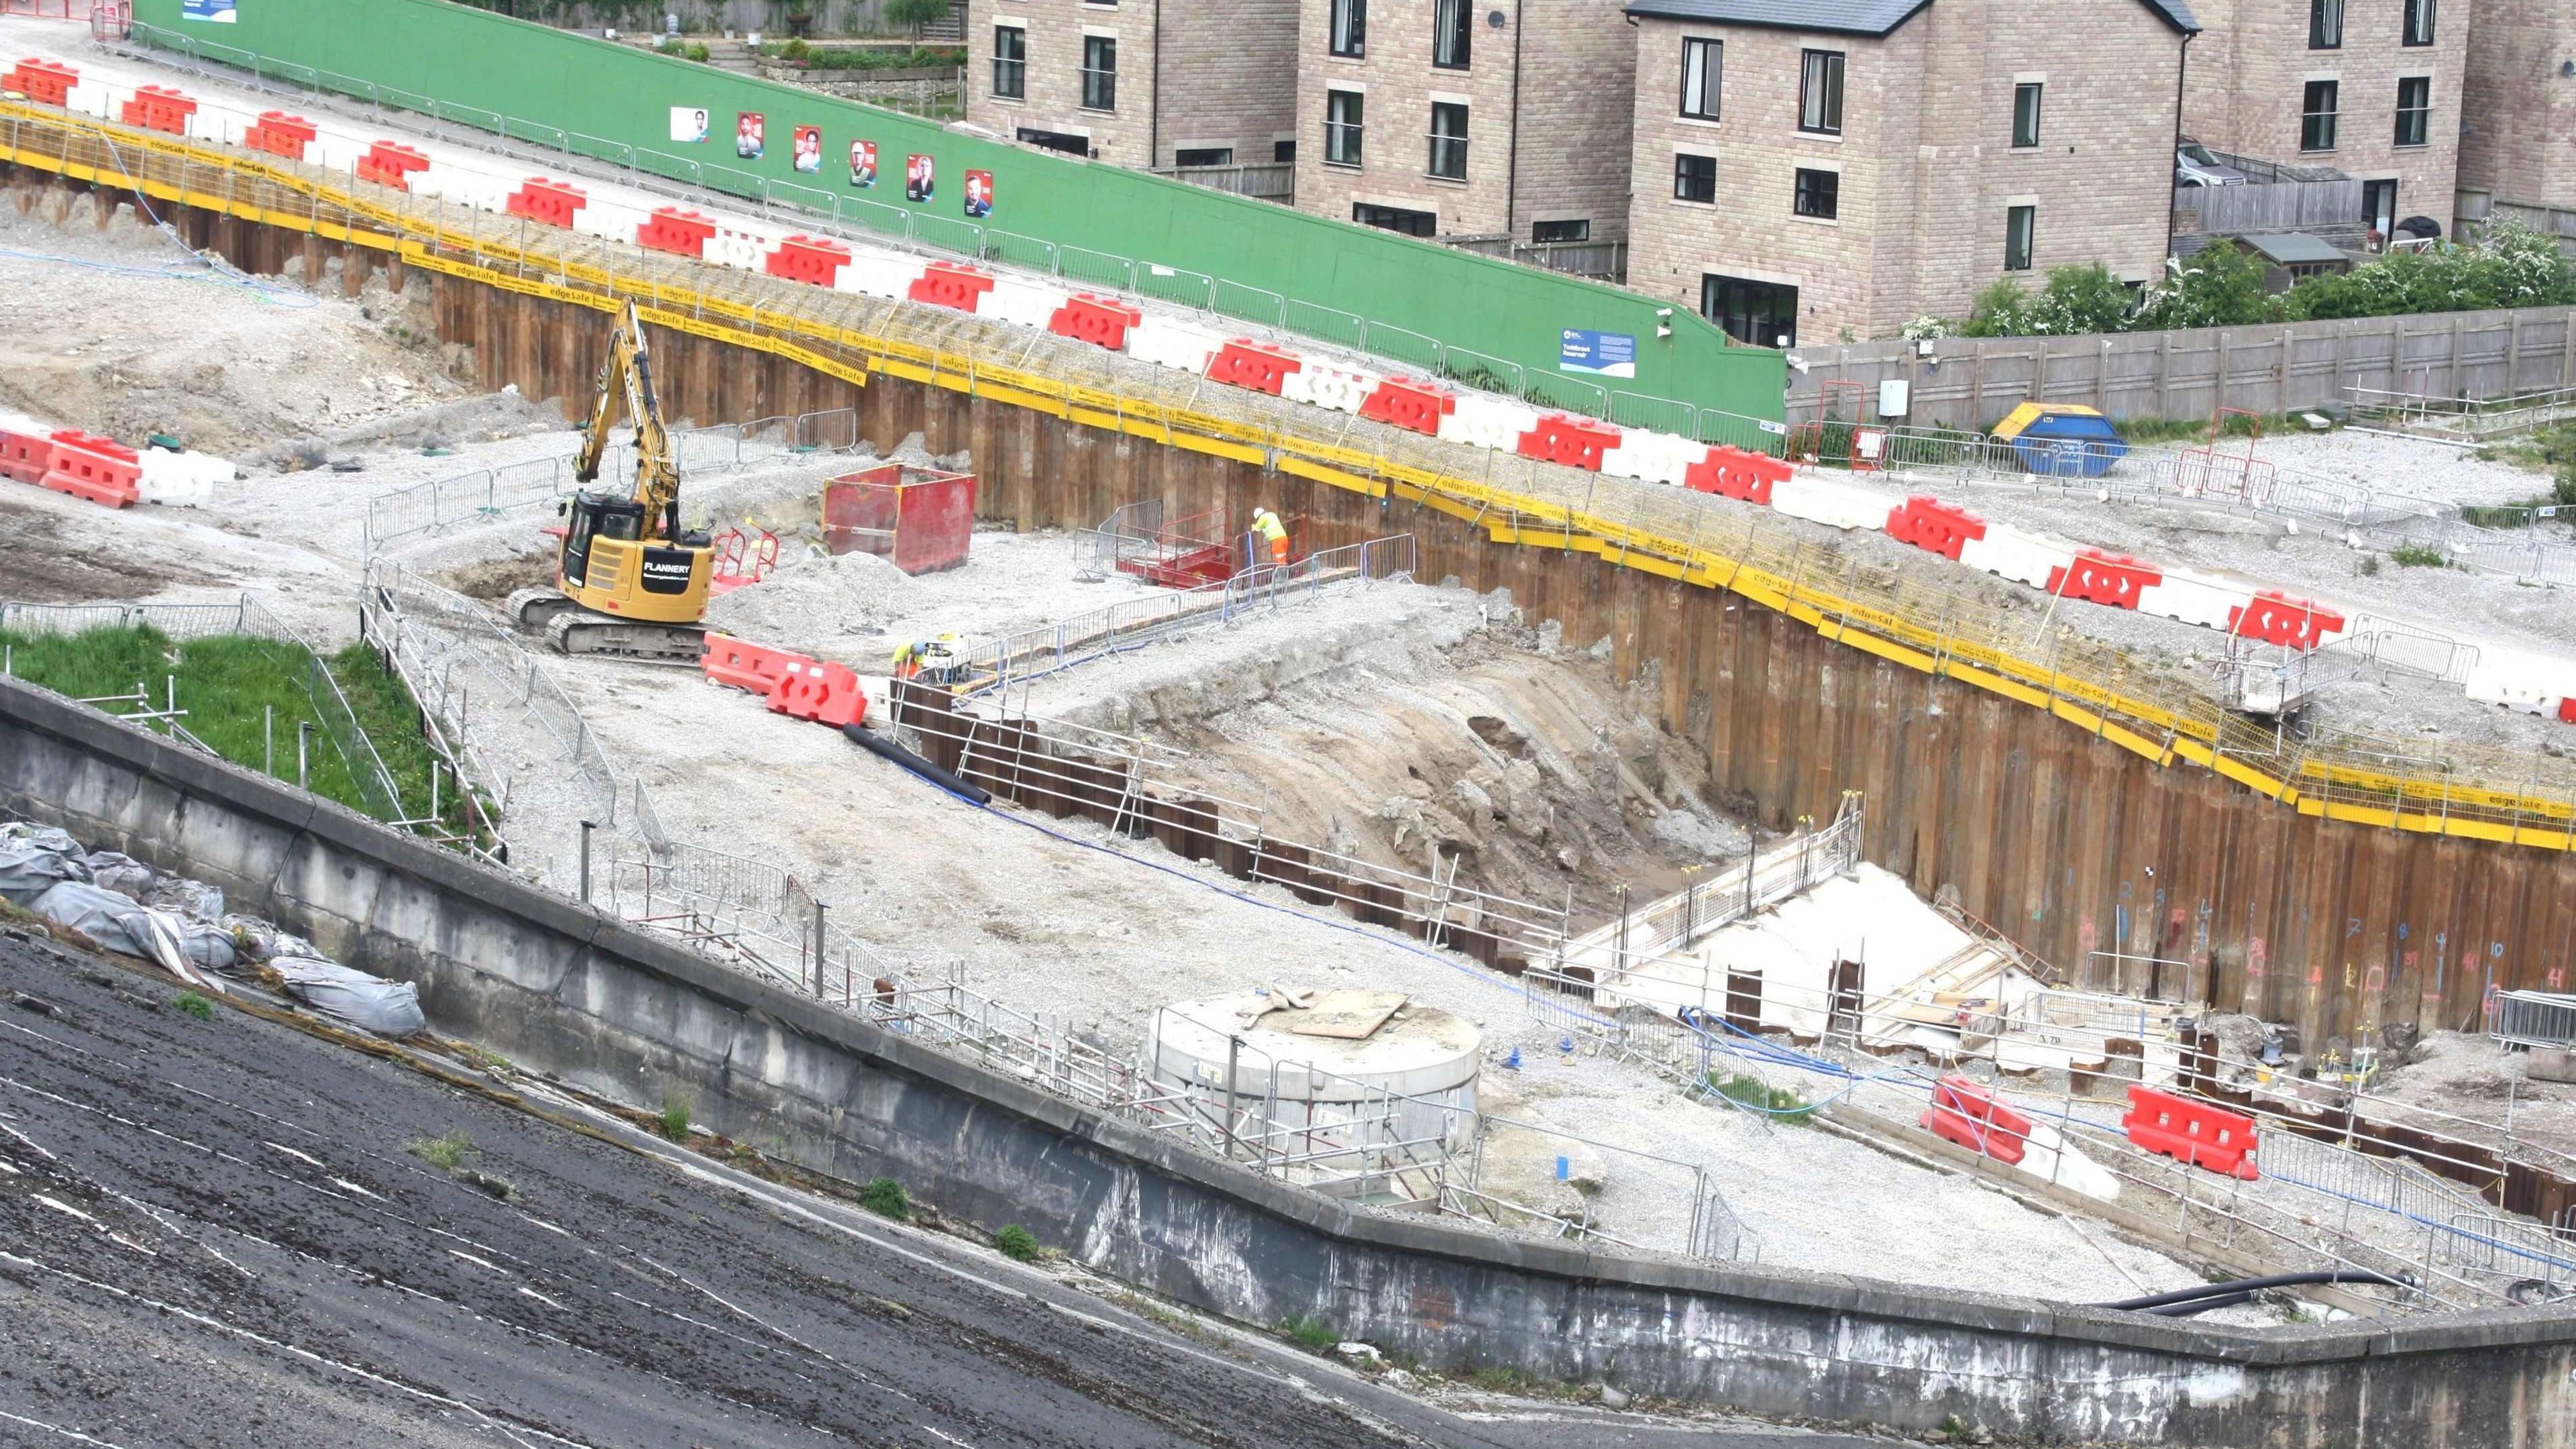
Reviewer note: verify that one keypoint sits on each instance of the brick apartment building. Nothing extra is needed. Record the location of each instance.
(1454, 118)
(2369, 87)
(2518, 102)
(1130, 82)
(1807, 168)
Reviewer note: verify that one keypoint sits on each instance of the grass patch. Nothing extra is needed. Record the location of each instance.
(194, 1005)
(1747, 1090)
(2416, 556)
(2146, 431)
(675, 1118)
(886, 1198)
(1017, 1243)
(446, 1151)
(1311, 1334)
(384, 708)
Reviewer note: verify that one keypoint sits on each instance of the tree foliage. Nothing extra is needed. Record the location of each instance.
(2076, 300)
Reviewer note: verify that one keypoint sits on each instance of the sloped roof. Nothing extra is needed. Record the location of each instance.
(2294, 247)
(1841, 17)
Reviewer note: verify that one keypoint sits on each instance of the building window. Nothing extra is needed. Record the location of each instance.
(2026, 113)
(1819, 193)
(2019, 223)
(1694, 177)
(1342, 113)
(2419, 22)
(1543, 232)
(1204, 156)
(1449, 140)
(2379, 206)
(1453, 28)
(2325, 24)
(1764, 314)
(2414, 110)
(1283, 150)
(1820, 91)
(2317, 116)
(1702, 62)
(1010, 62)
(1099, 73)
(1396, 218)
(1350, 27)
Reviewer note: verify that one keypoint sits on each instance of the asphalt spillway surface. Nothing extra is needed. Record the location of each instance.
(224, 1231)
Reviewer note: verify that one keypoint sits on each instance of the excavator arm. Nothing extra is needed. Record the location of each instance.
(628, 373)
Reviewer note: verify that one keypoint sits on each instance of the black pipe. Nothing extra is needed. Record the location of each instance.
(2244, 1288)
(2200, 1305)
(945, 780)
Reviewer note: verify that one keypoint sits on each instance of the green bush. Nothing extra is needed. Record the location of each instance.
(1017, 1242)
(675, 1118)
(2416, 556)
(698, 51)
(914, 14)
(2075, 300)
(1311, 1333)
(2220, 286)
(194, 1005)
(795, 49)
(447, 1150)
(886, 1198)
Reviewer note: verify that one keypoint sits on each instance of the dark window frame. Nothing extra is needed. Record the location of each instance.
(1449, 147)
(1818, 194)
(1384, 218)
(1283, 151)
(1345, 140)
(2421, 113)
(1820, 106)
(2317, 124)
(1225, 155)
(2026, 137)
(1017, 62)
(2021, 237)
(1346, 28)
(2325, 24)
(1729, 303)
(1099, 82)
(1453, 34)
(2421, 24)
(1688, 168)
(1711, 76)
(1560, 233)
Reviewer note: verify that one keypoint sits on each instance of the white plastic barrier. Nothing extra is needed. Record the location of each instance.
(89, 98)
(185, 480)
(1835, 505)
(1662, 458)
(874, 274)
(1167, 343)
(1024, 303)
(2007, 552)
(1338, 388)
(2521, 681)
(2193, 598)
(1487, 422)
(740, 249)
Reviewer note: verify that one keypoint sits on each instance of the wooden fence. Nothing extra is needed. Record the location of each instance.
(1972, 382)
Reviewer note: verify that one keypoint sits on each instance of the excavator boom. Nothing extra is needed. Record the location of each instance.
(627, 374)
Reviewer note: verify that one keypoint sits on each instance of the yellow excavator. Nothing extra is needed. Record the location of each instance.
(629, 582)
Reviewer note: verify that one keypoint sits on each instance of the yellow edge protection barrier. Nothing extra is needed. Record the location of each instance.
(1505, 516)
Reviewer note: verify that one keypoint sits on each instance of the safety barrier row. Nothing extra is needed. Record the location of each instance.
(2459, 791)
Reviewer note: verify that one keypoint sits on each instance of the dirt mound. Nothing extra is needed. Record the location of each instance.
(816, 605)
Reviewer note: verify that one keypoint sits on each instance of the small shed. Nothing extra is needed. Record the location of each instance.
(2062, 440)
(2291, 257)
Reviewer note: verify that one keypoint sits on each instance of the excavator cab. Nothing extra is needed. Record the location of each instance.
(613, 562)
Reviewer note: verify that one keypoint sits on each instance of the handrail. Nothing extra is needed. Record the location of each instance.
(1947, 633)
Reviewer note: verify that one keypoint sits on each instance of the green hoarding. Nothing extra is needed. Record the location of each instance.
(1088, 220)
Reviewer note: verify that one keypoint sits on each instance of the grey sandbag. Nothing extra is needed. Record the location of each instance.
(28, 870)
(118, 924)
(192, 899)
(258, 940)
(120, 873)
(343, 993)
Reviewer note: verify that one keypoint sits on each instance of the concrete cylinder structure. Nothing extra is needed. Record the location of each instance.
(1405, 1091)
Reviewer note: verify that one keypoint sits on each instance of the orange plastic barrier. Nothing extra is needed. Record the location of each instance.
(1967, 1114)
(825, 693)
(101, 470)
(2191, 1132)
(1929, 523)
(815, 261)
(1246, 363)
(26, 457)
(2567, 710)
(1409, 403)
(2277, 618)
(679, 232)
(549, 202)
(2104, 578)
(280, 134)
(1733, 473)
(943, 284)
(745, 665)
(158, 108)
(389, 163)
(1100, 321)
(1567, 439)
(46, 82)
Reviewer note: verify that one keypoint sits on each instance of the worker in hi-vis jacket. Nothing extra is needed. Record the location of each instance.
(1267, 524)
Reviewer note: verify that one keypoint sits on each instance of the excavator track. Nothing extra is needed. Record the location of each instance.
(535, 609)
(580, 631)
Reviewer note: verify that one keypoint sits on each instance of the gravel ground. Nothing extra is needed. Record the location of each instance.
(2414, 467)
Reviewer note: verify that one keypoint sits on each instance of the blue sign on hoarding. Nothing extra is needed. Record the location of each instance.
(1609, 354)
(219, 11)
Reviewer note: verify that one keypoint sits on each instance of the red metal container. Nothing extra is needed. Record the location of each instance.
(920, 518)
